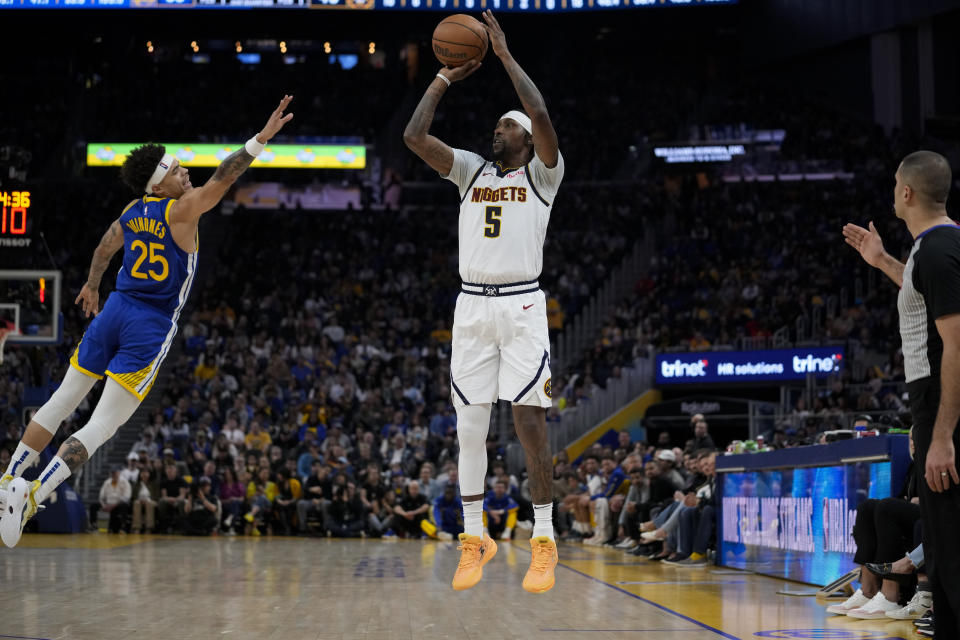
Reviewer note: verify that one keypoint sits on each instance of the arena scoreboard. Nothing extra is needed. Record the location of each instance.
(532, 6)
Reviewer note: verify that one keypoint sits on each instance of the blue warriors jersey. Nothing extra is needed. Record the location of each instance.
(155, 270)
(492, 503)
(448, 514)
(129, 339)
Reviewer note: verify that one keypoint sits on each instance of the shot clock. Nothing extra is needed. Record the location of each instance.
(14, 211)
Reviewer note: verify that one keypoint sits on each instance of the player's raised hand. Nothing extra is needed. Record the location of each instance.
(276, 121)
(89, 300)
(455, 74)
(497, 39)
(866, 241)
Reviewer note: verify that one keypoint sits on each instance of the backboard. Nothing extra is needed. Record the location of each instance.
(30, 301)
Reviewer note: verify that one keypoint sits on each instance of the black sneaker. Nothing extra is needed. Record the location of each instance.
(926, 633)
(926, 622)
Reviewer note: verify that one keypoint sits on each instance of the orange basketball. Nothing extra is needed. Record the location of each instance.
(458, 39)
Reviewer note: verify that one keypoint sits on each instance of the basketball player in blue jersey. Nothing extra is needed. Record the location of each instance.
(501, 346)
(128, 340)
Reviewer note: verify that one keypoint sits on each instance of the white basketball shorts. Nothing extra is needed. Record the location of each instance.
(501, 349)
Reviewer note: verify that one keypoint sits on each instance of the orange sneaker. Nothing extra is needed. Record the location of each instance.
(543, 559)
(474, 553)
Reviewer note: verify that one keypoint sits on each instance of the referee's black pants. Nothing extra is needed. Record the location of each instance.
(940, 513)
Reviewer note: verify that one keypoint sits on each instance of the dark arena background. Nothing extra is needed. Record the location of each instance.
(730, 415)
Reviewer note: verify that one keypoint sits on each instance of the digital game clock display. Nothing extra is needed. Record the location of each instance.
(14, 212)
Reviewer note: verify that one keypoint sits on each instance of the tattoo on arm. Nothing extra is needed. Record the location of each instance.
(233, 165)
(530, 96)
(111, 241)
(73, 453)
(544, 136)
(434, 152)
(422, 117)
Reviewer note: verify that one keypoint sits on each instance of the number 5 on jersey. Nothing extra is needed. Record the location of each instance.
(492, 230)
(156, 258)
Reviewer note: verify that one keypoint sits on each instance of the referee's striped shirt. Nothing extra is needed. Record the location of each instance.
(931, 290)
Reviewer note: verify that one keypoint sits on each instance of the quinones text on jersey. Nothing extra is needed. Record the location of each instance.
(147, 225)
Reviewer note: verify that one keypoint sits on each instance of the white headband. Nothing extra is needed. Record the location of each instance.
(163, 168)
(521, 119)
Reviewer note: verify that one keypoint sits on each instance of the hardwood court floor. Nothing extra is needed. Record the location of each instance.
(108, 587)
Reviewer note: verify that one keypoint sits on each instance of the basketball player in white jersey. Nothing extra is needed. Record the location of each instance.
(501, 348)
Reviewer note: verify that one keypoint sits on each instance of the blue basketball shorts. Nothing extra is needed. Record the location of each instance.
(127, 341)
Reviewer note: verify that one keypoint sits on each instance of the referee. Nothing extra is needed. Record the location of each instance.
(929, 306)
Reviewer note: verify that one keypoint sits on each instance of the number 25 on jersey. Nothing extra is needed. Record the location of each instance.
(492, 228)
(158, 267)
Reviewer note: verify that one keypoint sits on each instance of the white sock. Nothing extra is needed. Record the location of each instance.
(51, 478)
(23, 458)
(543, 521)
(473, 518)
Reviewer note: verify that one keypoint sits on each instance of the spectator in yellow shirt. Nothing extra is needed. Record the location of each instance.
(257, 439)
(699, 342)
(555, 317)
(441, 334)
(207, 368)
(261, 492)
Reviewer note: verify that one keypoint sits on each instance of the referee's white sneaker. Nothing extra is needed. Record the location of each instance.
(20, 507)
(855, 601)
(876, 609)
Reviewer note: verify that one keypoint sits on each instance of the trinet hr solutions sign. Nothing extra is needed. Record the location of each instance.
(748, 366)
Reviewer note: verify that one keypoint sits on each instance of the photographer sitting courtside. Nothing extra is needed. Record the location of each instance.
(202, 509)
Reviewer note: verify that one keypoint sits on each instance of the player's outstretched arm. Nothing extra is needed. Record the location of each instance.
(870, 246)
(431, 149)
(544, 137)
(198, 201)
(110, 243)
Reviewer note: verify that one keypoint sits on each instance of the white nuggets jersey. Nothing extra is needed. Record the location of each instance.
(503, 217)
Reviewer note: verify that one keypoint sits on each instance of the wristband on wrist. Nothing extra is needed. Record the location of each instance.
(254, 147)
(444, 78)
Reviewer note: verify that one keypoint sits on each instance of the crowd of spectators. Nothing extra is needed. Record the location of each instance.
(743, 261)
(332, 329)
(650, 499)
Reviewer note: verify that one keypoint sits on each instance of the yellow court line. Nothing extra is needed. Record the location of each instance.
(85, 540)
(730, 605)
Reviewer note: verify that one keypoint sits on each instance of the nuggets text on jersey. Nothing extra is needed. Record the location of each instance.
(503, 194)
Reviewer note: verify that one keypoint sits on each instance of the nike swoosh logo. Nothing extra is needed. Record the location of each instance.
(525, 307)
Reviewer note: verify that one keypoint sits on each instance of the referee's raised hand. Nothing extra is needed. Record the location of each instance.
(866, 241)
